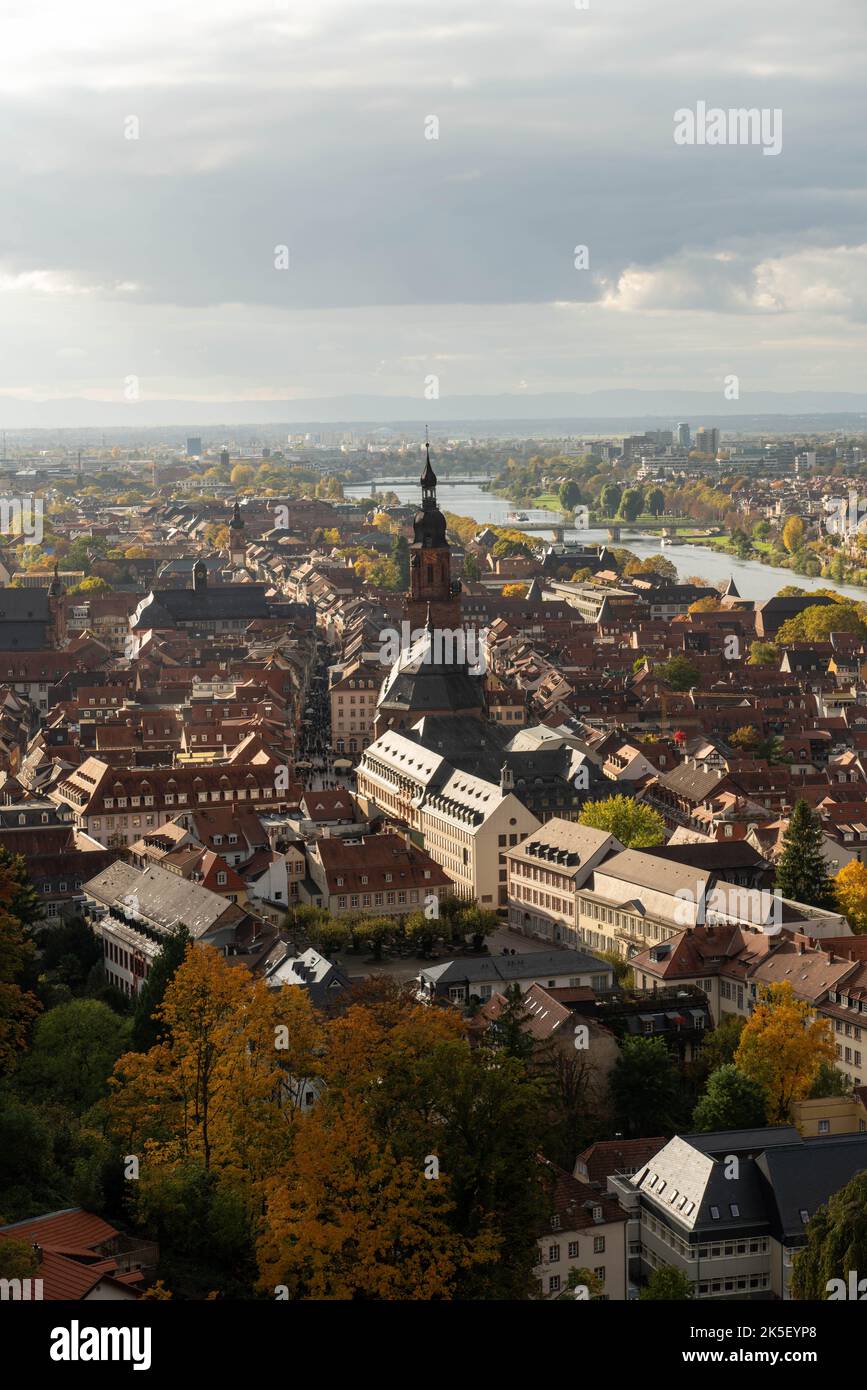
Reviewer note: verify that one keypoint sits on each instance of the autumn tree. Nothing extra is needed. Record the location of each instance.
(763, 654)
(793, 534)
(850, 886)
(802, 870)
(514, 591)
(782, 1047)
(635, 825)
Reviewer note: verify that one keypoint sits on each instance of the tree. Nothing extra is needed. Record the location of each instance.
(850, 886)
(656, 501)
(667, 1284)
(514, 591)
(781, 1049)
(353, 1220)
(763, 654)
(570, 495)
(816, 623)
(581, 1278)
(73, 1051)
(836, 1243)
(802, 871)
(720, 1045)
(241, 475)
(18, 1006)
(644, 1088)
(731, 1101)
(509, 1029)
(471, 567)
(631, 504)
(609, 499)
(678, 672)
(636, 826)
(147, 1027)
(747, 737)
(829, 1082)
(793, 534)
(705, 605)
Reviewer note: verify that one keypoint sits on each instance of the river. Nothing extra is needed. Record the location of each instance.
(753, 579)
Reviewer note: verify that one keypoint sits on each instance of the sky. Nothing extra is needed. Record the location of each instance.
(238, 200)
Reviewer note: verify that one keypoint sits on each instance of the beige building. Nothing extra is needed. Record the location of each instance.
(545, 872)
(835, 1115)
(584, 1233)
(353, 699)
(466, 823)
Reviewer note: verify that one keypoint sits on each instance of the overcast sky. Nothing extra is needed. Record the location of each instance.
(301, 123)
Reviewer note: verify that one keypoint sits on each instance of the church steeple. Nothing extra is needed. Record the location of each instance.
(237, 538)
(433, 598)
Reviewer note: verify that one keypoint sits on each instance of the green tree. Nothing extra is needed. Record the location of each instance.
(73, 1051)
(509, 1030)
(836, 1243)
(656, 501)
(609, 499)
(829, 1082)
(802, 871)
(644, 1088)
(147, 1027)
(720, 1045)
(668, 1285)
(678, 672)
(570, 495)
(763, 654)
(636, 826)
(631, 504)
(731, 1101)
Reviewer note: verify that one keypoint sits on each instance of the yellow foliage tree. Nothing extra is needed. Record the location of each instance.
(793, 534)
(514, 591)
(352, 1220)
(850, 885)
(222, 1088)
(782, 1048)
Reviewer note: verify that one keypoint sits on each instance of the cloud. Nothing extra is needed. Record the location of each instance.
(302, 123)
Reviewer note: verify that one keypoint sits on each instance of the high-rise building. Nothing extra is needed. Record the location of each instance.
(683, 435)
(194, 448)
(707, 441)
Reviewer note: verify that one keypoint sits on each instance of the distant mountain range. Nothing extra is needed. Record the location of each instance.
(622, 410)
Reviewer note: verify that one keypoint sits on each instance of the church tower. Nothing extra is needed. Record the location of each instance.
(433, 597)
(237, 539)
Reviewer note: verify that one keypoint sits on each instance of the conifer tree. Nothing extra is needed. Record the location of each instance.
(802, 873)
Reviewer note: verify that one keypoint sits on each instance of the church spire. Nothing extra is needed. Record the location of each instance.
(428, 479)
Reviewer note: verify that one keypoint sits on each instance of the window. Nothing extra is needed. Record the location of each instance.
(554, 1283)
(573, 1250)
(824, 1126)
(598, 1245)
(553, 1254)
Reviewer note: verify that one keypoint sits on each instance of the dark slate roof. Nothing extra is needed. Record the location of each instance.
(434, 688)
(717, 856)
(191, 605)
(22, 637)
(801, 1178)
(510, 968)
(484, 754)
(24, 605)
